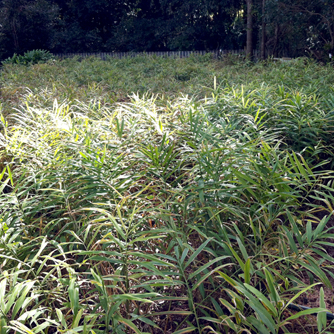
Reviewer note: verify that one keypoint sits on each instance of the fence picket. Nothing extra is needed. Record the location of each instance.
(169, 54)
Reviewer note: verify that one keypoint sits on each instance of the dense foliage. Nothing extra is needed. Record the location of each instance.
(29, 58)
(287, 28)
(164, 212)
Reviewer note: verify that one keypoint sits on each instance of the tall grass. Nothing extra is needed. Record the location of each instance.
(164, 213)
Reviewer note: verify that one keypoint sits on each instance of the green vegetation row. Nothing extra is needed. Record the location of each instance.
(199, 206)
(114, 80)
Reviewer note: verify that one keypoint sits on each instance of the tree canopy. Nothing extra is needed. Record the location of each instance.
(282, 27)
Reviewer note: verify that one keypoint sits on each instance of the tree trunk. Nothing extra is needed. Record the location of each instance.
(263, 39)
(249, 45)
(275, 51)
(15, 37)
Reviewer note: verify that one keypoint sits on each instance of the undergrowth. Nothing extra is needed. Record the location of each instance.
(168, 212)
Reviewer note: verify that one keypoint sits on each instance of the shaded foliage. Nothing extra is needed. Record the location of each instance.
(289, 27)
(26, 25)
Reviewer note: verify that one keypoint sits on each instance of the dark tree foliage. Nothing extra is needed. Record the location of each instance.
(89, 25)
(179, 25)
(319, 27)
(279, 27)
(300, 27)
(26, 25)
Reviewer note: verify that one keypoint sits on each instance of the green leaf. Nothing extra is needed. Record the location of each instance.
(73, 292)
(242, 249)
(145, 320)
(322, 317)
(17, 326)
(247, 271)
(299, 293)
(305, 312)
(77, 318)
(61, 317)
(185, 330)
(292, 243)
(135, 296)
(309, 231)
(10, 175)
(184, 254)
(128, 323)
(228, 279)
(236, 256)
(295, 229)
(43, 245)
(301, 168)
(314, 267)
(321, 226)
(208, 264)
(263, 299)
(254, 303)
(3, 285)
(3, 326)
(20, 302)
(208, 274)
(171, 312)
(195, 254)
(270, 281)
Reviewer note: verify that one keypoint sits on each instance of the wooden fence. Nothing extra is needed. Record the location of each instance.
(169, 54)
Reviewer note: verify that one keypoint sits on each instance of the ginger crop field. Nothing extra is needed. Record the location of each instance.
(151, 195)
